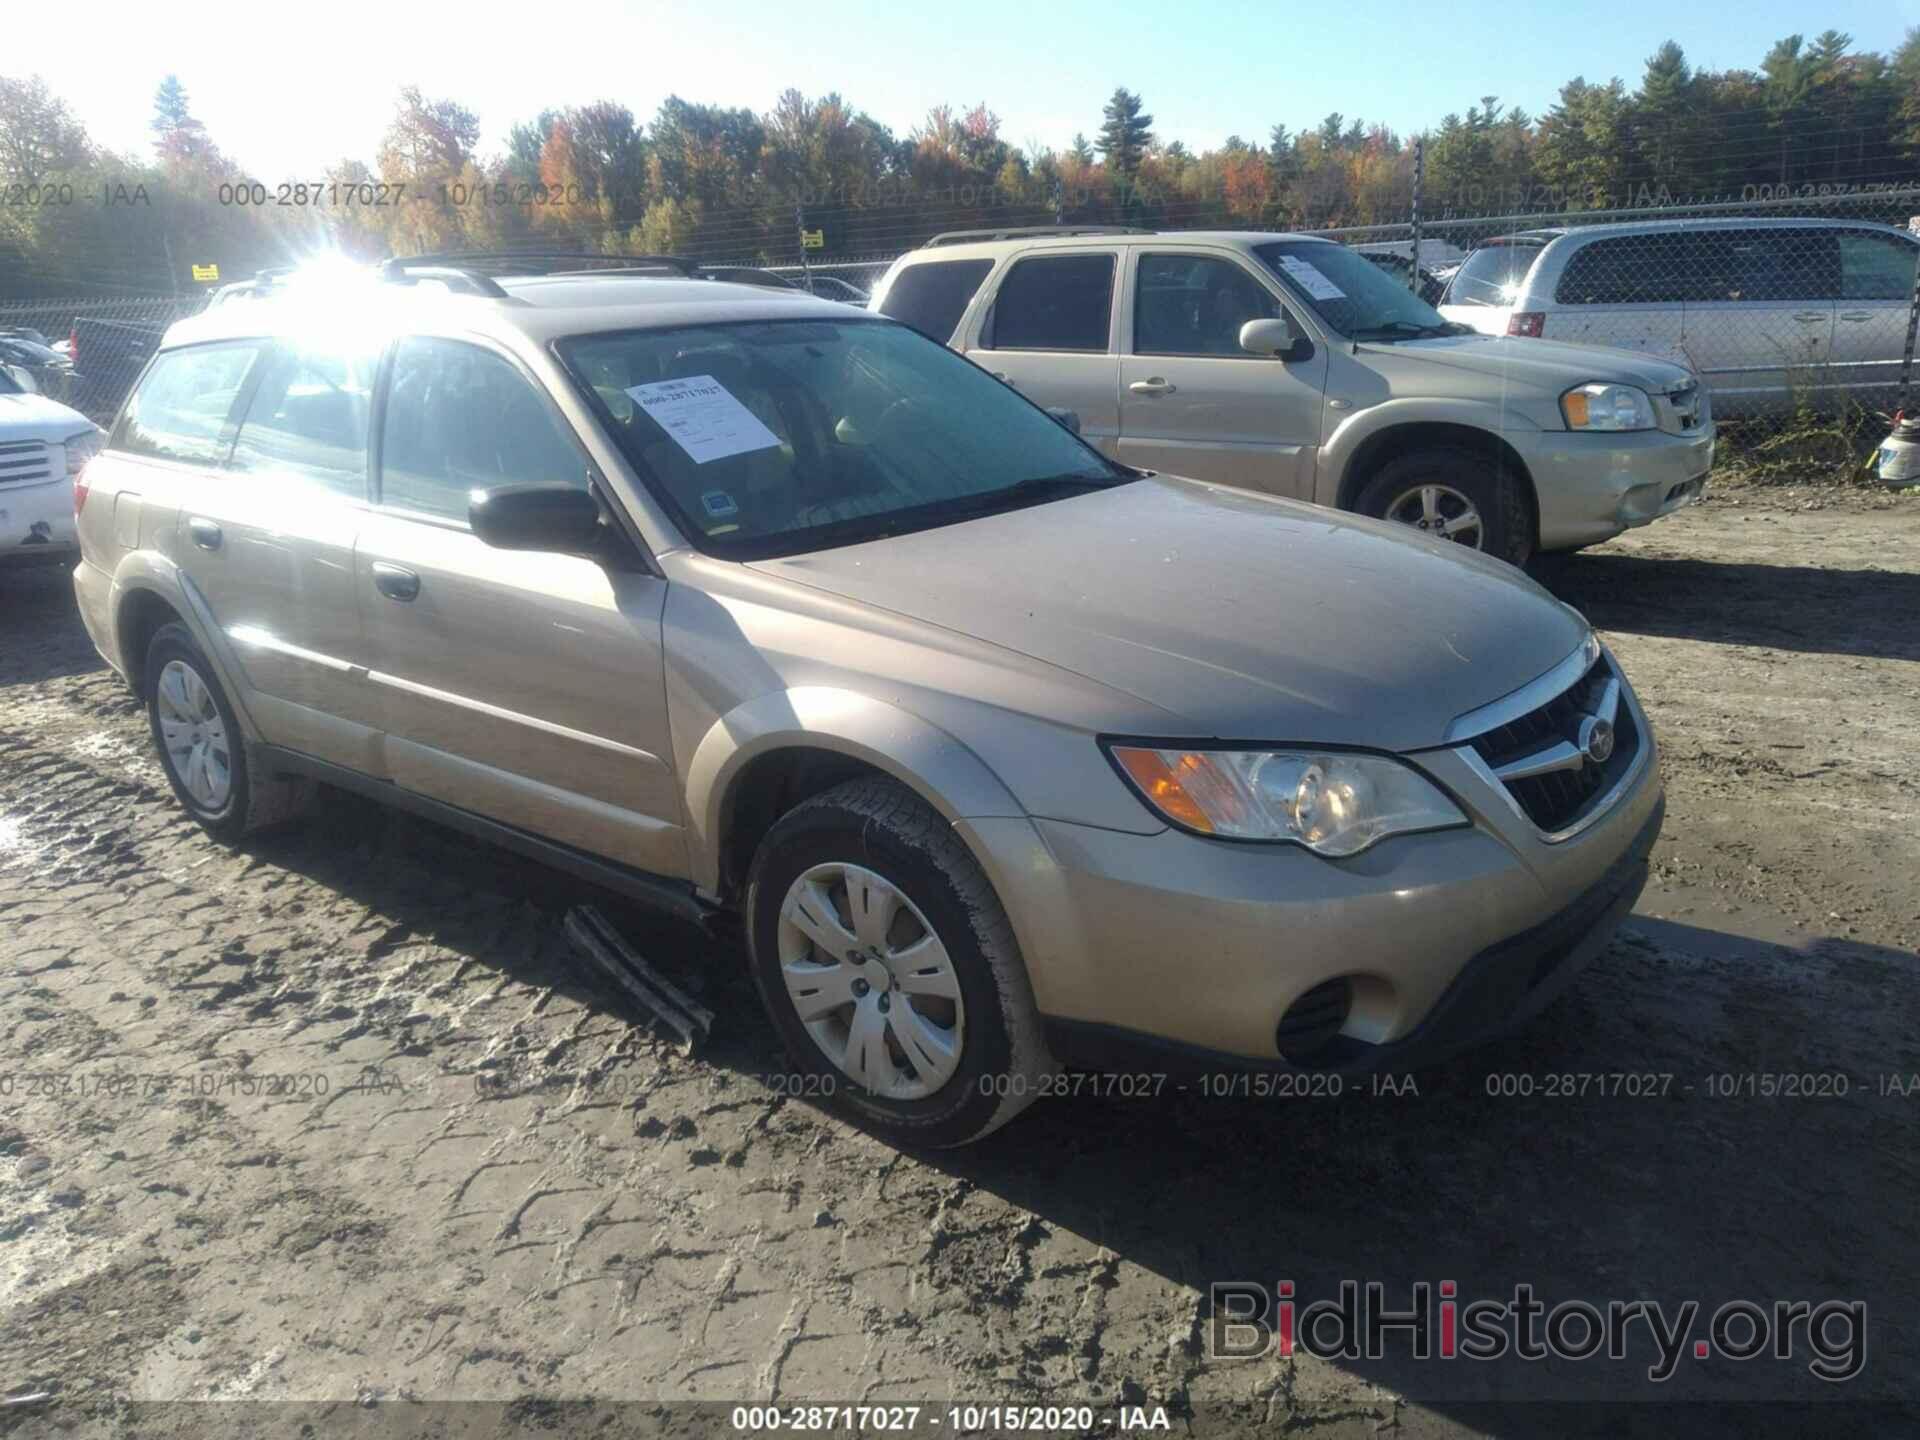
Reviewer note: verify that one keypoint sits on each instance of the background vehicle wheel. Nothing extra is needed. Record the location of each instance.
(890, 968)
(201, 745)
(1456, 495)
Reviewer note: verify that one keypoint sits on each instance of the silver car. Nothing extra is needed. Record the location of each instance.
(1006, 754)
(1772, 314)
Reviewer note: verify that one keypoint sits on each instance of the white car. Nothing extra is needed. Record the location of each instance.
(43, 444)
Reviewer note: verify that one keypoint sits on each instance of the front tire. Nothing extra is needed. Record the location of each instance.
(202, 747)
(890, 969)
(1453, 494)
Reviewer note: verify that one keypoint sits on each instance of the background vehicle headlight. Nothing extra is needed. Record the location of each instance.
(1607, 407)
(80, 449)
(1329, 801)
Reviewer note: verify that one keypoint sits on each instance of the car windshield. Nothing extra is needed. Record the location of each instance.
(776, 437)
(1492, 274)
(1354, 296)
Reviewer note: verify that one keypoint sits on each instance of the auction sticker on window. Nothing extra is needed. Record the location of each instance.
(703, 417)
(1310, 279)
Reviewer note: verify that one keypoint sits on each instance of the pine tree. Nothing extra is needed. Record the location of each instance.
(1125, 134)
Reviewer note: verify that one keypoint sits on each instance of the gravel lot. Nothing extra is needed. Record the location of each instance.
(486, 1179)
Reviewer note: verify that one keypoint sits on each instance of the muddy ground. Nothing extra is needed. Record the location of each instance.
(487, 1180)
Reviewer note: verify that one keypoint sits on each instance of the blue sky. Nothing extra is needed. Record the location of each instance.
(288, 97)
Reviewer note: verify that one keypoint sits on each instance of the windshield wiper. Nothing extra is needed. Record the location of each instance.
(1411, 330)
(1041, 487)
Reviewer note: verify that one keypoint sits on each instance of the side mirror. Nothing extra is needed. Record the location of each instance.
(1068, 418)
(556, 517)
(1277, 338)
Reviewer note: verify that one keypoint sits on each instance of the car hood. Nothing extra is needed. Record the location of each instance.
(1548, 364)
(35, 417)
(1241, 616)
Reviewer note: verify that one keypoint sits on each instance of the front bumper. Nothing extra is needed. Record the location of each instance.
(36, 522)
(1590, 487)
(1190, 946)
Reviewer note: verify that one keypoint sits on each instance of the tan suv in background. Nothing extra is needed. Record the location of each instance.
(1294, 366)
(736, 599)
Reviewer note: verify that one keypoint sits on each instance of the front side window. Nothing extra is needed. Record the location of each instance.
(775, 437)
(460, 419)
(1355, 297)
(1876, 267)
(307, 419)
(1055, 302)
(1195, 305)
(932, 297)
(183, 406)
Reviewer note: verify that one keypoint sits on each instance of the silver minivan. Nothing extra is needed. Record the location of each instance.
(1771, 314)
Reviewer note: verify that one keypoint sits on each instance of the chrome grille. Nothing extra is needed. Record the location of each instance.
(25, 461)
(1544, 758)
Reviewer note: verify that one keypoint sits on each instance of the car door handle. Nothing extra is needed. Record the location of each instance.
(1153, 385)
(394, 581)
(1806, 317)
(1856, 316)
(205, 533)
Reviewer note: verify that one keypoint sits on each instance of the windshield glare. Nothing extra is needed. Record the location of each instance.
(1354, 296)
(775, 437)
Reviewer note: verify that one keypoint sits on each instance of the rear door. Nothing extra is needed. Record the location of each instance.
(524, 687)
(1192, 402)
(1870, 323)
(1050, 333)
(1758, 322)
(266, 533)
(1623, 290)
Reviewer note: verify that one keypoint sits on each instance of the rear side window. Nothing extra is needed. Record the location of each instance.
(1492, 274)
(459, 419)
(932, 297)
(1623, 270)
(307, 419)
(1876, 267)
(184, 404)
(1760, 264)
(1055, 302)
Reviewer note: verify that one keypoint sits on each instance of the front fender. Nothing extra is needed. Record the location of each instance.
(939, 768)
(1347, 438)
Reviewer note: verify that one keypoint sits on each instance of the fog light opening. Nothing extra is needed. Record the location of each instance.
(1313, 1021)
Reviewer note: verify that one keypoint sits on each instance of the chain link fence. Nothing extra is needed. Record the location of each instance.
(97, 346)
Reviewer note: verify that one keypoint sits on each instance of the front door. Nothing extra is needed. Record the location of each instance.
(1192, 402)
(1870, 323)
(525, 687)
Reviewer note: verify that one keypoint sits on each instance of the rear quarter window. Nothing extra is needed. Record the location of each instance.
(932, 297)
(183, 408)
(1624, 270)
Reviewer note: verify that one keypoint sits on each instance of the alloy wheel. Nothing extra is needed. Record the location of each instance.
(1439, 510)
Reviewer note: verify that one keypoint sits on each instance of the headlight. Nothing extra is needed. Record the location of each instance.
(80, 449)
(1331, 802)
(1607, 407)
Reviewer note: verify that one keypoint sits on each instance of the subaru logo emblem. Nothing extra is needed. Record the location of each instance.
(1596, 739)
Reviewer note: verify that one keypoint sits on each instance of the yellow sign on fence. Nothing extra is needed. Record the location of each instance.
(814, 239)
(206, 274)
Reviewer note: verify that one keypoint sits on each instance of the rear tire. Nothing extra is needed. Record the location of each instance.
(202, 748)
(1440, 486)
(926, 1052)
